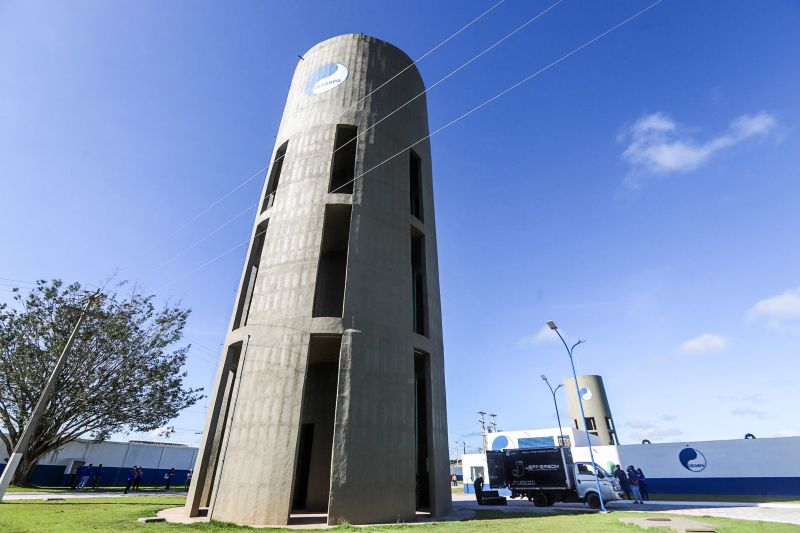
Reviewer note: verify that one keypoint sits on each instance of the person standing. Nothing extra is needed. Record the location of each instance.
(454, 479)
(168, 478)
(478, 486)
(188, 480)
(85, 473)
(633, 477)
(137, 478)
(97, 473)
(643, 485)
(624, 484)
(131, 479)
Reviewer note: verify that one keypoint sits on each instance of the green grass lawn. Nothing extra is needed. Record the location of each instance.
(115, 514)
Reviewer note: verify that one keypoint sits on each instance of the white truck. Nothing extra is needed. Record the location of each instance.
(549, 475)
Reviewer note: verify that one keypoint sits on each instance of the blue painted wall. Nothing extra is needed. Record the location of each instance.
(53, 475)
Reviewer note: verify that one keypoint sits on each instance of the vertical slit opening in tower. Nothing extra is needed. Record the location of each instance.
(250, 278)
(274, 177)
(415, 175)
(332, 270)
(419, 282)
(343, 166)
(217, 433)
(312, 477)
(422, 420)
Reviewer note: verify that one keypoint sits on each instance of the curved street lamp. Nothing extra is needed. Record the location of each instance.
(553, 392)
(552, 325)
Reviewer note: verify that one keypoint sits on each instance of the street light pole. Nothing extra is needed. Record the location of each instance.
(553, 392)
(552, 325)
(30, 428)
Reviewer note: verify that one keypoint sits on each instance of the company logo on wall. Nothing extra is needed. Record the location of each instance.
(326, 78)
(692, 459)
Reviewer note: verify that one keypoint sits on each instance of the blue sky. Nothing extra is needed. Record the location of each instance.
(643, 193)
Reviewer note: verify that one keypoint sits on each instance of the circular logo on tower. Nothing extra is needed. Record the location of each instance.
(692, 459)
(326, 78)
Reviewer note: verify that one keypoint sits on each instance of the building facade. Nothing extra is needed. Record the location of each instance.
(117, 458)
(334, 356)
(598, 421)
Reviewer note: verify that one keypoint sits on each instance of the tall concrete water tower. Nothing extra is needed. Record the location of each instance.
(330, 394)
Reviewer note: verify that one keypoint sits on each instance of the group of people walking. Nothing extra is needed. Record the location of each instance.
(86, 475)
(633, 483)
(134, 479)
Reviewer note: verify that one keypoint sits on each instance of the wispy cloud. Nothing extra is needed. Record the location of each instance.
(704, 344)
(748, 411)
(543, 336)
(658, 146)
(644, 429)
(778, 309)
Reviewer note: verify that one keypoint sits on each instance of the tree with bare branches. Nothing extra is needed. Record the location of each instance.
(124, 372)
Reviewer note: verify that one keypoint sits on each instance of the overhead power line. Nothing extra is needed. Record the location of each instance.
(503, 92)
(453, 72)
(448, 124)
(423, 56)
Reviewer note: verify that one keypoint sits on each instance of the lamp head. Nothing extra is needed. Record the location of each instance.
(544, 378)
(552, 325)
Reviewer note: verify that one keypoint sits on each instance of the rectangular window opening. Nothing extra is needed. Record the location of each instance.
(419, 295)
(415, 173)
(332, 271)
(422, 420)
(251, 275)
(590, 425)
(274, 177)
(343, 167)
(315, 440)
(217, 433)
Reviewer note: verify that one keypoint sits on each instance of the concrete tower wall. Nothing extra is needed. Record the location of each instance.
(595, 408)
(319, 383)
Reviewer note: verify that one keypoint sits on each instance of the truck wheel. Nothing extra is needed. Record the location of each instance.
(540, 500)
(550, 500)
(593, 500)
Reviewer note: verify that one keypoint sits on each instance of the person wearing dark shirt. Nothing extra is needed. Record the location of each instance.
(633, 477)
(478, 485)
(619, 473)
(97, 472)
(131, 478)
(643, 485)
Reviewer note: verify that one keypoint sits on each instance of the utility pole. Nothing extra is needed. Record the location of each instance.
(482, 422)
(494, 422)
(30, 428)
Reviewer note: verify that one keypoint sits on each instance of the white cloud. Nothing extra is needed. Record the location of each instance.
(777, 309)
(658, 146)
(648, 430)
(543, 336)
(704, 344)
(748, 411)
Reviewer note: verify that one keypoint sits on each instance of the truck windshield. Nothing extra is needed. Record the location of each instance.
(586, 468)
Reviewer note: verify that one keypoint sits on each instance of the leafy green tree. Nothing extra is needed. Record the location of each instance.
(124, 372)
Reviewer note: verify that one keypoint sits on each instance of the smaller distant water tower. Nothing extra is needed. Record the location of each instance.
(598, 421)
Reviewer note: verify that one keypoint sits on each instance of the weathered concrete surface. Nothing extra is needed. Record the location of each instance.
(246, 468)
(595, 407)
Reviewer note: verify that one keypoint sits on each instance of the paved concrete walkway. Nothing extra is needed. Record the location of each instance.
(465, 507)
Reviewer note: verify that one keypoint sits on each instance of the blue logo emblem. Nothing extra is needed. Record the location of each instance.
(326, 78)
(692, 459)
(499, 443)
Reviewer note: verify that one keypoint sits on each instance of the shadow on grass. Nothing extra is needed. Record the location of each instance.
(501, 515)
